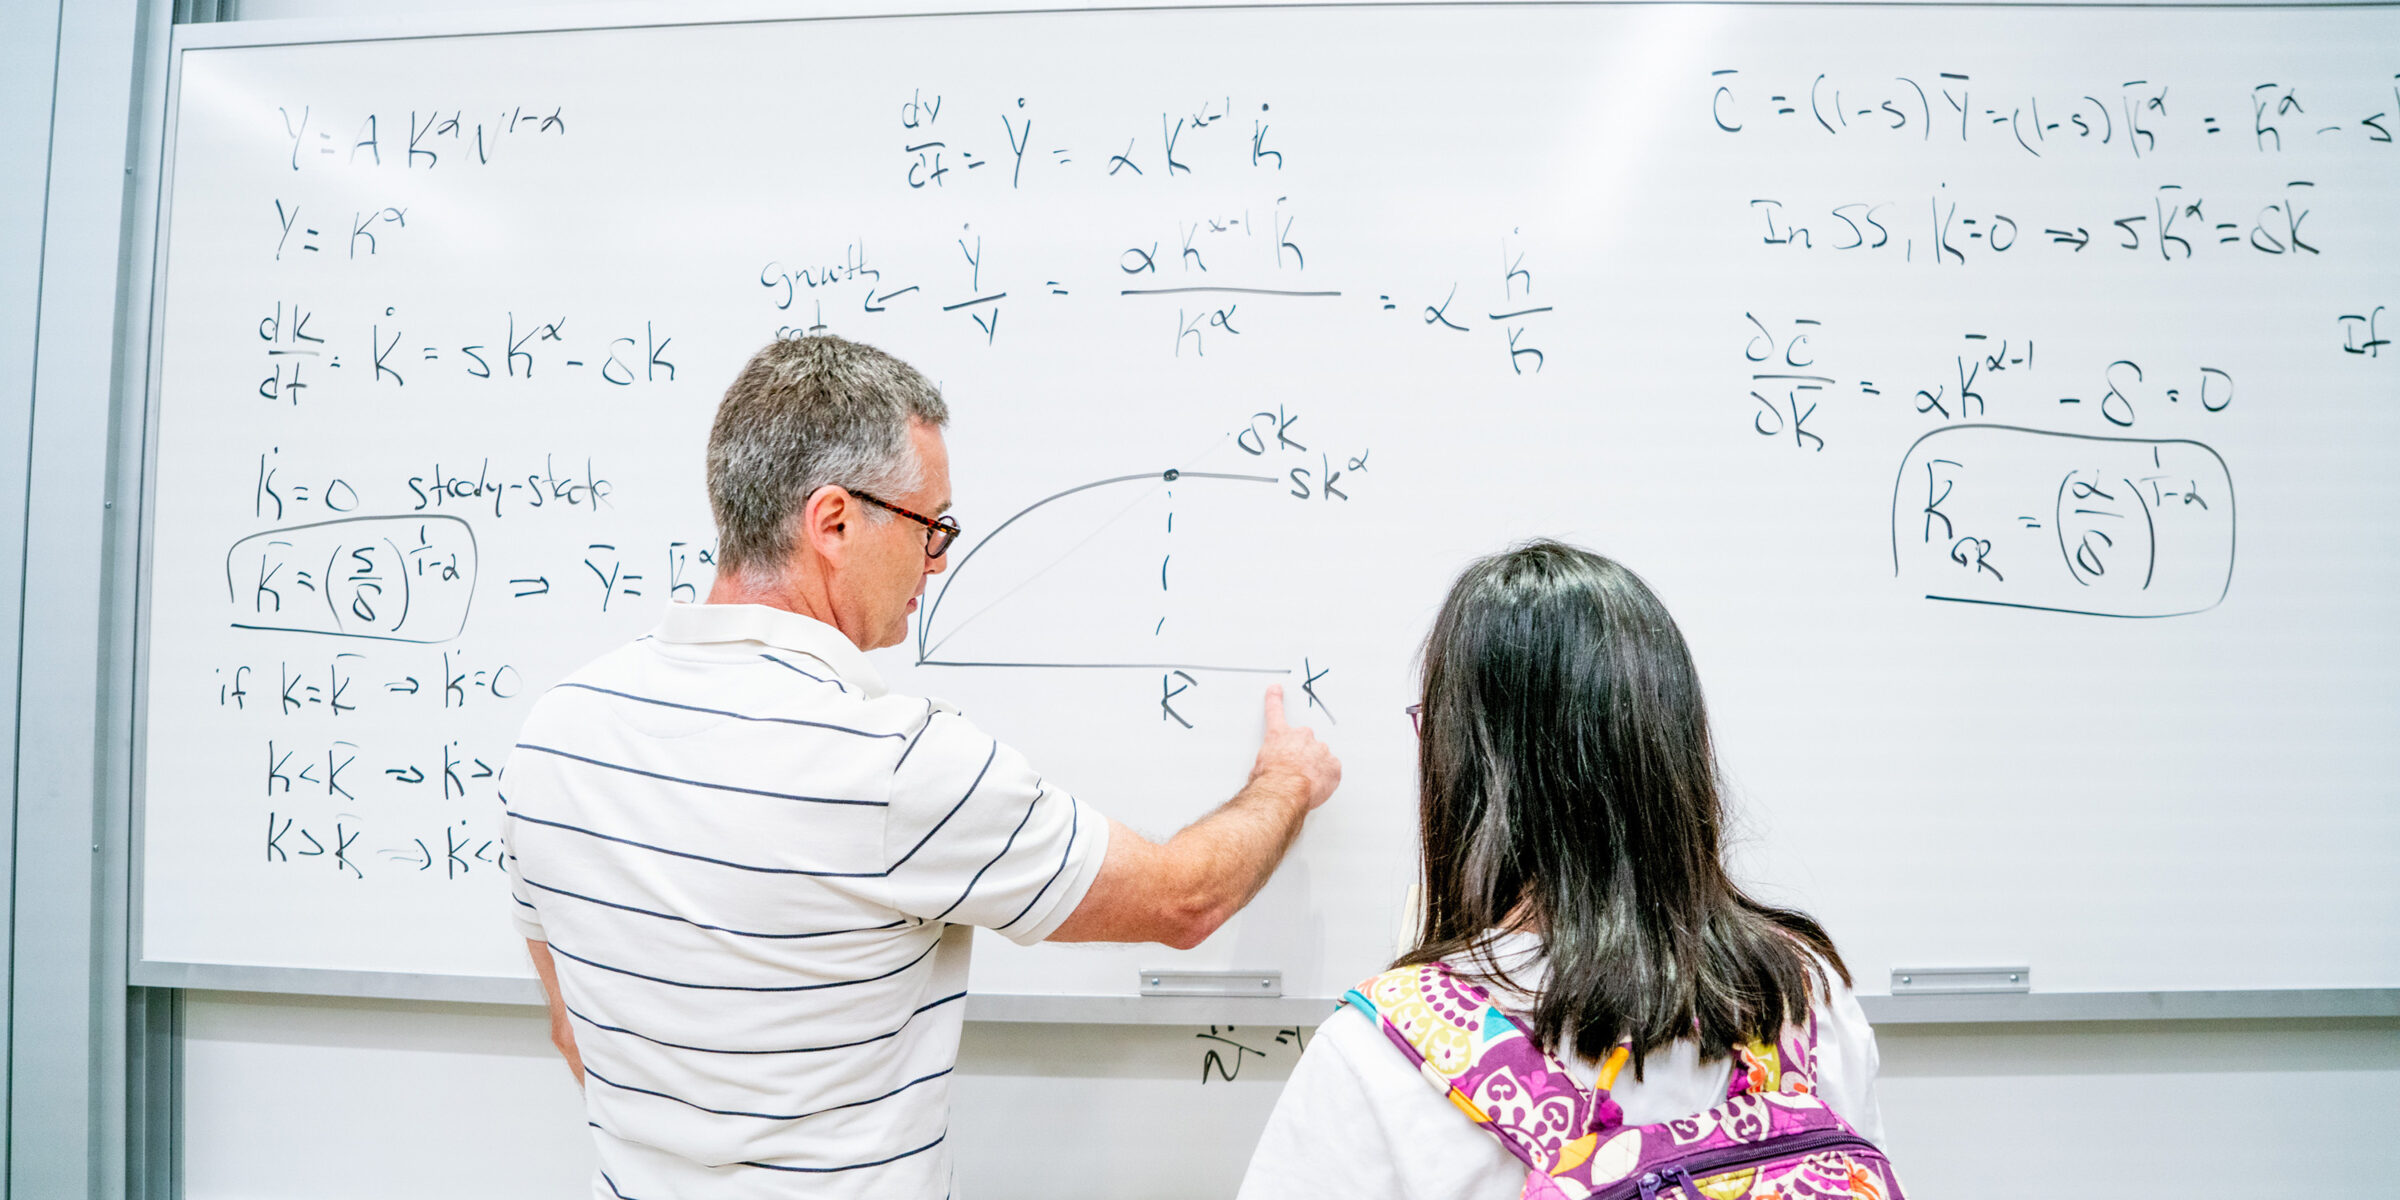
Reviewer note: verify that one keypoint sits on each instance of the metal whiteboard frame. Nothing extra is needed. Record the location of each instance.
(135, 460)
(1961, 1009)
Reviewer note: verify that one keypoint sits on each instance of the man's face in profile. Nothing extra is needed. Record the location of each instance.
(892, 566)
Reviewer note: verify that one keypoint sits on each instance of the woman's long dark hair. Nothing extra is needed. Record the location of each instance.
(1569, 786)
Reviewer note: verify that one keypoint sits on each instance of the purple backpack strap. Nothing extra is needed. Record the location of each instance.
(1575, 1143)
(1787, 1065)
(1485, 1064)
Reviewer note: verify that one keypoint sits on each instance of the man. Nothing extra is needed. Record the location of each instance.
(746, 872)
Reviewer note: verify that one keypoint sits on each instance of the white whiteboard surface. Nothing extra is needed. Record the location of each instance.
(2193, 788)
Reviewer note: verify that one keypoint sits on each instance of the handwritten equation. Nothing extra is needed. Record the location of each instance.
(320, 139)
(2138, 118)
(2113, 527)
(399, 579)
(1986, 376)
(2172, 224)
(934, 155)
(298, 352)
(1254, 285)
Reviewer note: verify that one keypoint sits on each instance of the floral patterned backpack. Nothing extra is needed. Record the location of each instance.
(1771, 1139)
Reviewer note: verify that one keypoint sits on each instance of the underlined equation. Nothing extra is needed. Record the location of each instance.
(2132, 118)
(396, 579)
(2068, 523)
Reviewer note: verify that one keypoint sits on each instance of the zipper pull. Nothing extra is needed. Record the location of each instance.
(1650, 1186)
(1682, 1180)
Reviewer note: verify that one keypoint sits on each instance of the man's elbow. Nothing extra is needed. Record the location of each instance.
(1190, 922)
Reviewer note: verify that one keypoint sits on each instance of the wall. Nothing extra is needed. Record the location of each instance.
(293, 1097)
(72, 76)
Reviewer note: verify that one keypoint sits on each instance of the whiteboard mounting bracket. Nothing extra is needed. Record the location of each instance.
(1212, 983)
(1926, 981)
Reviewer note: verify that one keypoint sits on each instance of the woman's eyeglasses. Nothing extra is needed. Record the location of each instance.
(1416, 718)
(938, 533)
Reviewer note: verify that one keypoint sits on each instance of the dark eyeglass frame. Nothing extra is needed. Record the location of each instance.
(939, 532)
(1416, 718)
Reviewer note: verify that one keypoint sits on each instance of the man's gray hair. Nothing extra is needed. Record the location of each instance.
(804, 413)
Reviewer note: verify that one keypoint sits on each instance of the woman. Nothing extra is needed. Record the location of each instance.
(1573, 872)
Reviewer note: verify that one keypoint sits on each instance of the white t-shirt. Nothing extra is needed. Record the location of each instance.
(756, 871)
(1358, 1120)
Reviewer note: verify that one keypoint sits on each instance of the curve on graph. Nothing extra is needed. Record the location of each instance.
(951, 577)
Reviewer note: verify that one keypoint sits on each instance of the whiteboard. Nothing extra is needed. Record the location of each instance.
(1999, 397)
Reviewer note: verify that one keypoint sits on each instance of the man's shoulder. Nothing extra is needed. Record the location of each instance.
(610, 671)
(764, 685)
(567, 704)
(943, 731)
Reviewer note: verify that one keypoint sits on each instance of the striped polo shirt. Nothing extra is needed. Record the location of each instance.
(756, 870)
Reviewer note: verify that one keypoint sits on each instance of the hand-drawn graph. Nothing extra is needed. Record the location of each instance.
(1145, 572)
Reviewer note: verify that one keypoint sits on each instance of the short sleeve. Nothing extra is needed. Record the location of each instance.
(1356, 1120)
(521, 909)
(976, 837)
(1847, 1061)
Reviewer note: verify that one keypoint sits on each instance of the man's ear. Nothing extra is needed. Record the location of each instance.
(824, 524)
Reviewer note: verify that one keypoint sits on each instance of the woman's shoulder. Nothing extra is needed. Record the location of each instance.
(1833, 1003)
(1358, 1119)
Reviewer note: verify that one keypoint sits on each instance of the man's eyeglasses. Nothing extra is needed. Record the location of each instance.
(938, 533)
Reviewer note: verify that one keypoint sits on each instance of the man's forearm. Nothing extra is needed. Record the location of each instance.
(562, 1031)
(1179, 892)
(1228, 855)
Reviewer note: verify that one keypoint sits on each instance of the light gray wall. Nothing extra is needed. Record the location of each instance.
(314, 1098)
(70, 74)
(28, 75)
(28, 66)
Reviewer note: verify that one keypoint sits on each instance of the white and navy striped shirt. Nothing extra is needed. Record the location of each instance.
(757, 871)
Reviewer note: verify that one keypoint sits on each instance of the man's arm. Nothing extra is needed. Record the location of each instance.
(562, 1034)
(1180, 892)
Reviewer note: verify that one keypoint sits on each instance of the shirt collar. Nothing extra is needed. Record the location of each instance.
(692, 624)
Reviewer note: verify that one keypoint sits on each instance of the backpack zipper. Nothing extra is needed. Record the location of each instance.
(1648, 1185)
(1652, 1181)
